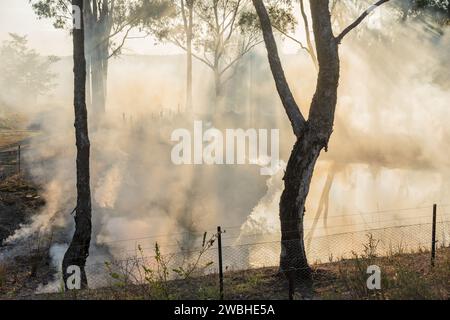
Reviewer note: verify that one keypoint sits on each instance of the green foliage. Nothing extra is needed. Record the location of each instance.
(154, 276)
(440, 4)
(280, 15)
(222, 30)
(58, 10)
(109, 20)
(190, 268)
(23, 70)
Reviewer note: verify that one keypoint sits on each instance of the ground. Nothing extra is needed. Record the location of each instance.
(405, 275)
(19, 202)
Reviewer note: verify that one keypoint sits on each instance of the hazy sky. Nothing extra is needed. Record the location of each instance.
(16, 16)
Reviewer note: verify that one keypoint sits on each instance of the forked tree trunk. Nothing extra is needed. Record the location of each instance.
(78, 250)
(312, 135)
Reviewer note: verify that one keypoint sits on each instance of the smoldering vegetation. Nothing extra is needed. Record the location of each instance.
(390, 148)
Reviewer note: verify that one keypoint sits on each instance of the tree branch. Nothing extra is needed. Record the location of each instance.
(311, 49)
(298, 122)
(359, 20)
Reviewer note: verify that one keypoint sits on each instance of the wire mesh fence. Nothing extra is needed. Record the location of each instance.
(172, 260)
(161, 264)
(10, 161)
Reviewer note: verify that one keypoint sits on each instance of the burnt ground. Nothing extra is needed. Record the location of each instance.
(19, 201)
(405, 275)
(21, 274)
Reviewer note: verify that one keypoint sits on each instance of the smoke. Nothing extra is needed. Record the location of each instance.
(390, 148)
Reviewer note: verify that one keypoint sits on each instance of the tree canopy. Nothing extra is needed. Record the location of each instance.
(23, 69)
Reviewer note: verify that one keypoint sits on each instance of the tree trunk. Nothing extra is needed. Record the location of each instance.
(98, 88)
(311, 50)
(78, 250)
(297, 179)
(217, 83)
(98, 28)
(189, 62)
(189, 76)
(314, 138)
(218, 91)
(99, 72)
(312, 135)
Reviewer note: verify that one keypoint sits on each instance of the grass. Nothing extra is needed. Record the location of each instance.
(12, 127)
(403, 276)
(2, 276)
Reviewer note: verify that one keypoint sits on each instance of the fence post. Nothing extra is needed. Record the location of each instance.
(18, 158)
(219, 245)
(433, 236)
(291, 283)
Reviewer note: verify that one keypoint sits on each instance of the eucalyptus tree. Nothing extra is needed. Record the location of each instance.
(312, 134)
(218, 33)
(23, 71)
(108, 24)
(78, 251)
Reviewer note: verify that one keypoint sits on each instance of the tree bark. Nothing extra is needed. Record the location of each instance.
(78, 250)
(297, 179)
(311, 50)
(189, 75)
(312, 135)
(217, 83)
(315, 137)
(98, 86)
(189, 56)
(218, 91)
(98, 29)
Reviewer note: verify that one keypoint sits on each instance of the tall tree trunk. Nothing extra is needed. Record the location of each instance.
(98, 28)
(78, 250)
(312, 135)
(99, 71)
(98, 87)
(189, 60)
(311, 49)
(218, 92)
(309, 145)
(217, 83)
(88, 82)
(189, 75)
(297, 179)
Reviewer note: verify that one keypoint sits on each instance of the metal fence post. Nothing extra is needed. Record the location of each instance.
(18, 158)
(433, 236)
(219, 245)
(291, 283)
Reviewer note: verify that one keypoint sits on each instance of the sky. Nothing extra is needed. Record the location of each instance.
(17, 16)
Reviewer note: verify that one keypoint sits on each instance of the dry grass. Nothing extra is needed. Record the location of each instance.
(404, 276)
(2, 276)
(13, 137)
